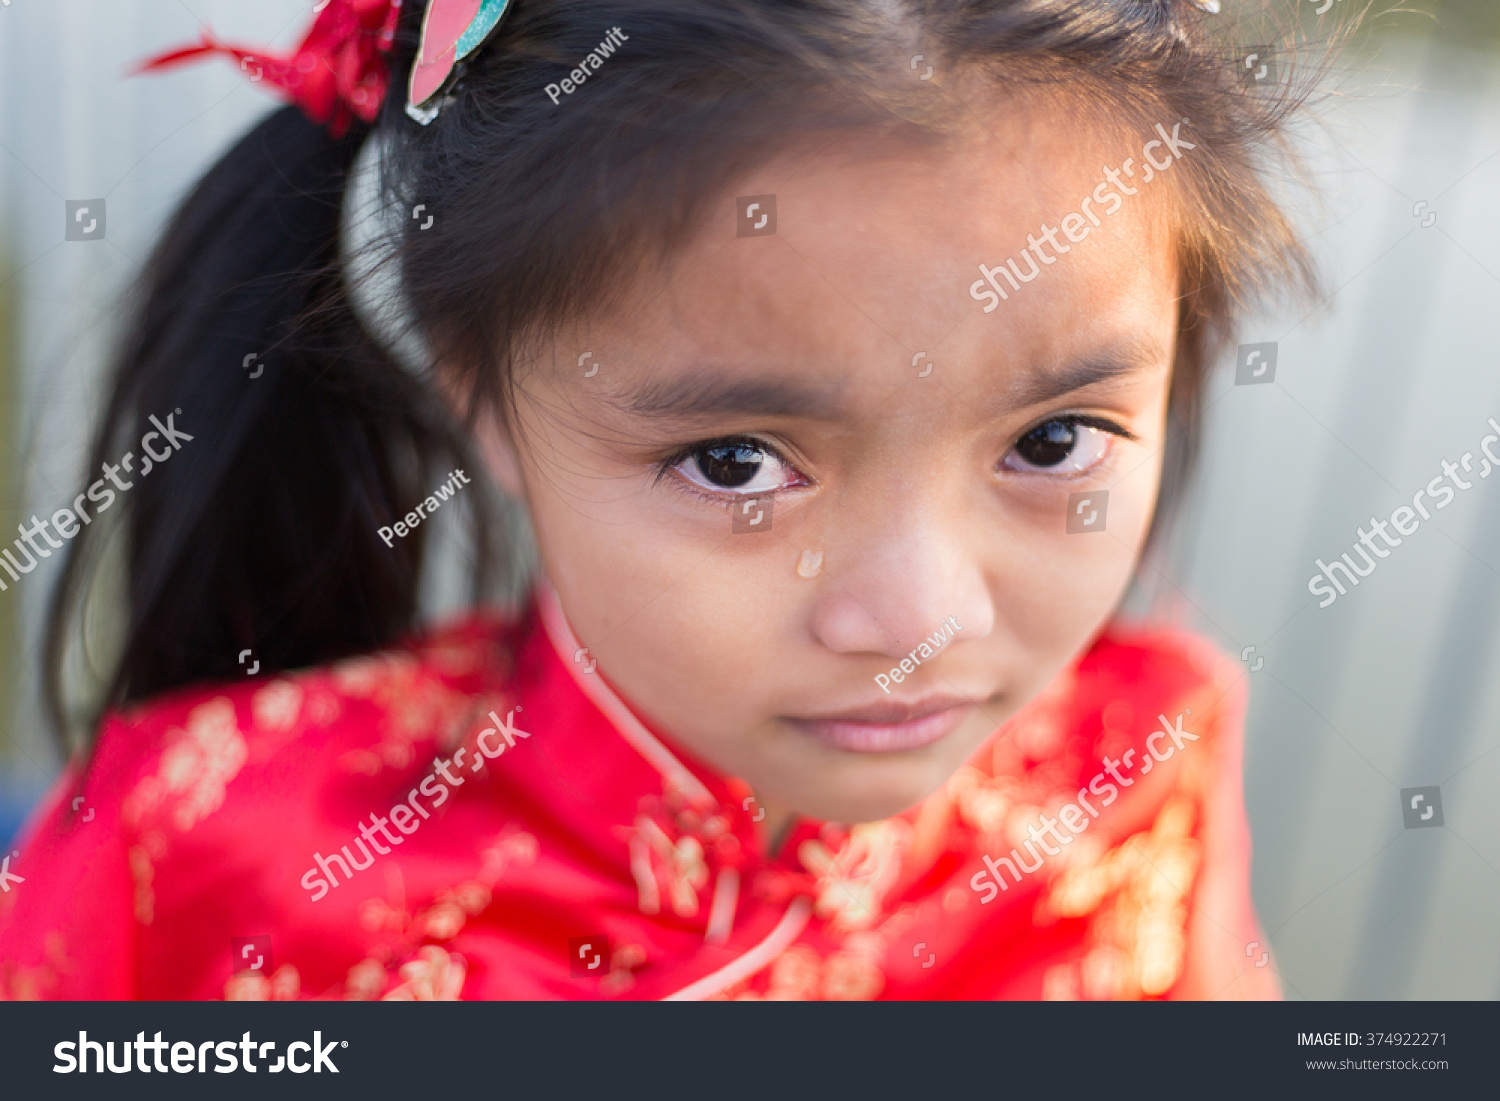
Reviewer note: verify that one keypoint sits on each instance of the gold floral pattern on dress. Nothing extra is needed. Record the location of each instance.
(795, 975)
(854, 972)
(288, 707)
(800, 974)
(851, 977)
(195, 768)
(276, 706)
(141, 875)
(436, 975)
(414, 706)
(1041, 728)
(983, 802)
(670, 843)
(25, 984)
(361, 677)
(656, 862)
(457, 657)
(408, 700)
(433, 974)
(31, 984)
(1138, 895)
(623, 962)
(512, 847)
(854, 880)
(452, 909)
(425, 974)
(365, 981)
(1133, 895)
(1027, 769)
(285, 985)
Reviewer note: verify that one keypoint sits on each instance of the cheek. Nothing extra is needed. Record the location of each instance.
(607, 556)
(1056, 587)
(695, 642)
(676, 619)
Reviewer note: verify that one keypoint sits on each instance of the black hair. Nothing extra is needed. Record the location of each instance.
(261, 533)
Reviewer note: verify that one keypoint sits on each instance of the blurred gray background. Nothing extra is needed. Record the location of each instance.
(1393, 686)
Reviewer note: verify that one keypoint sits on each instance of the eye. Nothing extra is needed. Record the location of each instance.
(738, 467)
(1066, 445)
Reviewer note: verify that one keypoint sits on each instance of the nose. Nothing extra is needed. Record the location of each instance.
(891, 588)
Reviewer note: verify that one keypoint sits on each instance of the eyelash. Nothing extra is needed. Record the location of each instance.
(1074, 420)
(1088, 420)
(678, 457)
(692, 450)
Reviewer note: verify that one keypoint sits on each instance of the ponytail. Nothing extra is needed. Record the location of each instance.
(260, 533)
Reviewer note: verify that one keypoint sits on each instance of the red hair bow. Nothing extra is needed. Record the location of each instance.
(339, 70)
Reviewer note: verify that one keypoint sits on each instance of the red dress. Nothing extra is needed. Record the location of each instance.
(474, 815)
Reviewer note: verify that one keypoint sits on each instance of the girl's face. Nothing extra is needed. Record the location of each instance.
(914, 462)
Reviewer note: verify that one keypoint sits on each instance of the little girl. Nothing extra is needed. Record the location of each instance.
(805, 373)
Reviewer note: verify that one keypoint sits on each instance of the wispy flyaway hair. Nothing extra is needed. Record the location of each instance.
(266, 538)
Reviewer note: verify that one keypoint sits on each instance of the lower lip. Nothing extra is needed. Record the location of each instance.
(883, 737)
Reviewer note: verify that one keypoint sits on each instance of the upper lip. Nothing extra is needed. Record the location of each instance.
(891, 712)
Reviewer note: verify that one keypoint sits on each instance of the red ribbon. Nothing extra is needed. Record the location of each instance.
(337, 72)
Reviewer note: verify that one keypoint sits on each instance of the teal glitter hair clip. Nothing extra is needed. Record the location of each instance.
(452, 31)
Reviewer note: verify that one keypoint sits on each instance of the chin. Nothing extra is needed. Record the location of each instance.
(864, 790)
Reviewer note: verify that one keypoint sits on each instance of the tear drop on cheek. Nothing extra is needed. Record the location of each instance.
(810, 564)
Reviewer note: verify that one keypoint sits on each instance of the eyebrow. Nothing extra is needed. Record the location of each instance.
(1112, 365)
(707, 393)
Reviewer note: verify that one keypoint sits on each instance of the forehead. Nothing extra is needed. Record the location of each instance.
(877, 240)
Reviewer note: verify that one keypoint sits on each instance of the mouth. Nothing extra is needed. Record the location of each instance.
(887, 727)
